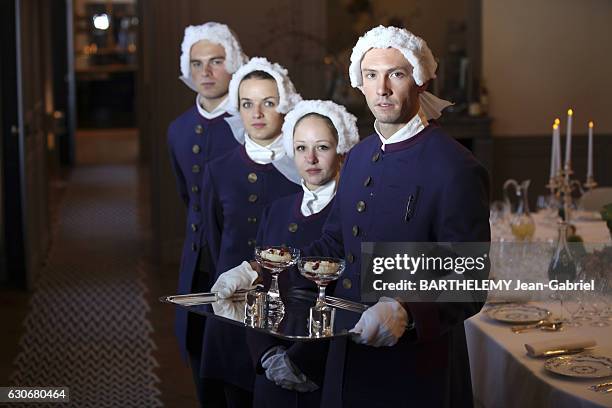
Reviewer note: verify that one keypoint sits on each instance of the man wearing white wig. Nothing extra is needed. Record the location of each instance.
(210, 53)
(408, 182)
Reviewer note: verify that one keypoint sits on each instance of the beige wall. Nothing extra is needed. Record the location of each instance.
(426, 18)
(541, 57)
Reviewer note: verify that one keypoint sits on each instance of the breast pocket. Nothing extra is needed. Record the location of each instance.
(400, 211)
(401, 201)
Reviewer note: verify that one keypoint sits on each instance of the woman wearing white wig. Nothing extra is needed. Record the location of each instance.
(237, 187)
(316, 134)
(210, 54)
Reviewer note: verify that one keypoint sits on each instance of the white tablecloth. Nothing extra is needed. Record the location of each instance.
(504, 376)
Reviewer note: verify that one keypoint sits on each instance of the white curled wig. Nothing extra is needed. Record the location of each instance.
(414, 49)
(216, 33)
(344, 122)
(288, 97)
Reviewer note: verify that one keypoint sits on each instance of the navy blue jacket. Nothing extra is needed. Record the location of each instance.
(236, 191)
(193, 141)
(429, 366)
(284, 224)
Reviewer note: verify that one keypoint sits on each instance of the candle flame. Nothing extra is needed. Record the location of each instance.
(570, 112)
(557, 121)
(555, 126)
(591, 124)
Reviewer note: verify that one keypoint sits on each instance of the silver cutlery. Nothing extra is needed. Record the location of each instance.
(345, 304)
(547, 325)
(602, 387)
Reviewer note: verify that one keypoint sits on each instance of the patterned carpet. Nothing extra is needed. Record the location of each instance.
(87, 327)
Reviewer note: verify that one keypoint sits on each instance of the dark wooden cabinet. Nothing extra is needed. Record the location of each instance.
(474, 133)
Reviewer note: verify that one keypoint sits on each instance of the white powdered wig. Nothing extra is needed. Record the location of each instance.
(288, 97)
(344, 122)
(216, 33)
(414, 49)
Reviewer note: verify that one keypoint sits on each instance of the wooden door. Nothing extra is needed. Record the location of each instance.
(28, 197)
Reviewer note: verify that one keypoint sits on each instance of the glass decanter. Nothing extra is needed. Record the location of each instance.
(562, 265)
(521, 221)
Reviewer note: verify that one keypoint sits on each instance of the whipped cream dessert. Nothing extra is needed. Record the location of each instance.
(321, 267)
(276, 255)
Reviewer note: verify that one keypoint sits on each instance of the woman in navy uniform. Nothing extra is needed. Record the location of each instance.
(210, 54)
(237, 187)
(315, 134)
(408, 182)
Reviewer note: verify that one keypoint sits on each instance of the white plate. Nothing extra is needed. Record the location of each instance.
(580, 366)
(517, 313)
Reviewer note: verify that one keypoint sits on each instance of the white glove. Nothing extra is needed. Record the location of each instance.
(382, 324)
(240, 277)
(282, 372)
(229, 309)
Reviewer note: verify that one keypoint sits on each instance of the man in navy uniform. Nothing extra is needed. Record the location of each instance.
(408, 182)
(210, 54)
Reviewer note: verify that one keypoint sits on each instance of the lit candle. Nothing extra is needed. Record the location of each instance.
(557, 140)
(553, 153)
(590, 158)
(568, 140)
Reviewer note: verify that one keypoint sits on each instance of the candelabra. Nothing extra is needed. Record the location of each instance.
(561, 186)
(590, 183)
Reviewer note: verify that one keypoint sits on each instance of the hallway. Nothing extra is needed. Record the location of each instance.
(92, 321)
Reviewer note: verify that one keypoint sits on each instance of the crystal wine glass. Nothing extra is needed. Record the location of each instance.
(276, 259)
(599, 302)
(322, 271)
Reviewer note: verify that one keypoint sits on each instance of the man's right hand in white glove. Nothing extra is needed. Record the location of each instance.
(240, 277)
(381, 325)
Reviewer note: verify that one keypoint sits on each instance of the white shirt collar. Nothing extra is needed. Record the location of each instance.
(314, 201)
(414, 126)
(264, 154)
(219, 110)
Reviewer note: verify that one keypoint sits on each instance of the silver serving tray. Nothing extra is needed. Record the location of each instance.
(295, 324)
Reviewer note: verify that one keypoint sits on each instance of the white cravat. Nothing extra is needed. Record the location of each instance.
(264, 154)
(414, 126)
(314, 201)
(219, 110)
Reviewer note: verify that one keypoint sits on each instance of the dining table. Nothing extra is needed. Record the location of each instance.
(503, 373)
